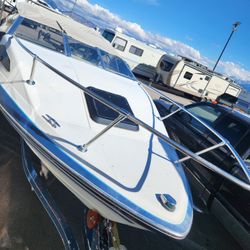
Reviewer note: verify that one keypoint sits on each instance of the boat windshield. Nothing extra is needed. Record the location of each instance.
(53, 39)
(115, 64)
(99, 58)
(40, 34)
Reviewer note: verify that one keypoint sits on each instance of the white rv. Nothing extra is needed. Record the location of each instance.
(141, 57)
(220, 84)
(193, 78)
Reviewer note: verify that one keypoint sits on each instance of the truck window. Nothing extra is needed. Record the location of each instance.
(247, 160)
(231, 129)
(198, 127)
(206, 113)
(135, 50)
(120, 44)
(188, 75)
(243, 146)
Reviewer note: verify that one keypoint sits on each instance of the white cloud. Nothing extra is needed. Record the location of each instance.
(236, 70)
(104, 17)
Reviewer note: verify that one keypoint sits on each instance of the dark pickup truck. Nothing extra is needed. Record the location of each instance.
(211, 192)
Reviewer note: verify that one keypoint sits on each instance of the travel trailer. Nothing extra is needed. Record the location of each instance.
(220, 84)
(193, 78)
(178, 72)
(141, 57)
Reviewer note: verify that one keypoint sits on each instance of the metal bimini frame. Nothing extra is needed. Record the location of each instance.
(123, 114)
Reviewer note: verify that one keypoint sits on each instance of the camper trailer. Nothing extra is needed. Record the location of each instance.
(193, 78)
(141, 57)
(183, 74)
(220, 84)
(178, 72)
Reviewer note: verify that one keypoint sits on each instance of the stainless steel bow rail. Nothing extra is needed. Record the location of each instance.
(123, 114)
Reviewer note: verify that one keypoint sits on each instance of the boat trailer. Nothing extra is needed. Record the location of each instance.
(98, 233)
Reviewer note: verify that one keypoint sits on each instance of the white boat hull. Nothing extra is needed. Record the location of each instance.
(124, 172)
(85, 197)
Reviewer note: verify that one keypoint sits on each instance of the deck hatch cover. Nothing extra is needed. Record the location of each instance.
(103, 114)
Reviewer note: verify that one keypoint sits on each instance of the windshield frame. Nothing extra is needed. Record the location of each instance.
(67, 50)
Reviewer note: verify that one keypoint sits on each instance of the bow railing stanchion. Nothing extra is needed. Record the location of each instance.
(125, 115)
(169, 115)
(202, 152)
(31, 81)
(85, 146)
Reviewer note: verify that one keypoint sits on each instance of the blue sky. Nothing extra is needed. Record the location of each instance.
(204, 25)
(194, 28)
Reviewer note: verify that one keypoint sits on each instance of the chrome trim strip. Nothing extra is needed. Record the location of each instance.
(202, 152)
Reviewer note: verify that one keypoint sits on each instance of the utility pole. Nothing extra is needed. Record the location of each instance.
(235, 25)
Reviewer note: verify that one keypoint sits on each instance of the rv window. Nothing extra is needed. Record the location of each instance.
(108, 35)
(188, 75)
(135, 50)
(119, 44)
(41, 34)
(102, 114)
(166, 66)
